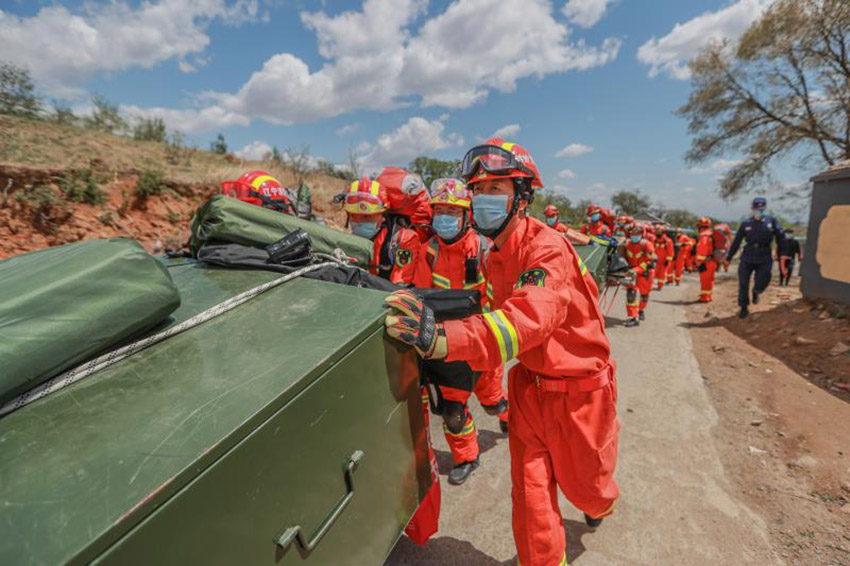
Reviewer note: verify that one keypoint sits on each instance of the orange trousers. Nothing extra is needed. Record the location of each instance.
(637, 295)
(489, 390)
(679, 268)
(706, 282)
(660, 274)
(565, 440)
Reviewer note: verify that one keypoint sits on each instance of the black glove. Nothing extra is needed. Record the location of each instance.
(702, 267)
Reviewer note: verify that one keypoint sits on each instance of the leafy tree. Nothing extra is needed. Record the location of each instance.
(783, 91)
(17, 92)
(219, 146)
(680, 218)
(105, 117)
(430, 168)
(150, 129)
(628, 202)
(276, 156)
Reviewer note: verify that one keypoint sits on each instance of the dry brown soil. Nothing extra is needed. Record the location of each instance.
(784, 429)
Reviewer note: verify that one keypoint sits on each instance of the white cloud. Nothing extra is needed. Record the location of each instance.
(418, 136)
(63, 49)
(586, 13)
(347, 129)
(719, 165)
(189, 120)
(566, 174)
(574, 150)
(507, 132)
(255, 150)
(375, 60)
(561, 189)
(671, 53)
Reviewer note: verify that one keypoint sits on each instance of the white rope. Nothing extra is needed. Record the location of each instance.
(100, 363)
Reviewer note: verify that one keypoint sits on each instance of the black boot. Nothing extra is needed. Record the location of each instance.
(641, 316)
(496, 409)
(503, 426)
(755, 297)
(631, 322)
(743, 313)
(591, 522)
(461, 472)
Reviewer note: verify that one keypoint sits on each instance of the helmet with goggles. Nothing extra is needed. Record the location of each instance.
(366, 197)
(498, 159)
(452, 192)
(260, 189)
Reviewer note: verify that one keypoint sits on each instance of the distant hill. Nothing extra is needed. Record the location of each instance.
(61, 184)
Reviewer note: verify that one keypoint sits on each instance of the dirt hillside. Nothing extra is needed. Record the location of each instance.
(62, 184)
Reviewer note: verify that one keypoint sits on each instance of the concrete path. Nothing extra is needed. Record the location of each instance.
(677, 507)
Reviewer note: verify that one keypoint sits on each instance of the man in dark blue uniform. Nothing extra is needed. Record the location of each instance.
(758, 231)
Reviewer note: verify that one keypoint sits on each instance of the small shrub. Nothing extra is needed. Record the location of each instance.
(219, 146)
(82, 187)
(173, 217)
(105, 117)
(150, 183)
(176, 151)
(150, 129)
(107, 218)
(47, 209)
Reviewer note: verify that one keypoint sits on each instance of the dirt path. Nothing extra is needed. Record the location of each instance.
(783, 436)
(679, 504)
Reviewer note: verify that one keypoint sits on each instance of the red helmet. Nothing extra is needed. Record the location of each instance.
(704, 222)
(258, 188)
(366, 197)
(551, 210)
(593, 208)
(450, 191)
(634, 228)
(498, 159)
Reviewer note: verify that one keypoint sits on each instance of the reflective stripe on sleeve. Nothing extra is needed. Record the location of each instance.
(504, 332)
(440, 281)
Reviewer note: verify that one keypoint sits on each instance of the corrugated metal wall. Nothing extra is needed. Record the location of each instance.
(826, 263)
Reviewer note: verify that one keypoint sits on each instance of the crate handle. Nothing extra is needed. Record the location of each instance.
(295, 533)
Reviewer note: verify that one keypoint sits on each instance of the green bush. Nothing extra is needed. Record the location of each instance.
(17, 92)
(82, 187)
(150, 129)
(47, 209)
(150, 183)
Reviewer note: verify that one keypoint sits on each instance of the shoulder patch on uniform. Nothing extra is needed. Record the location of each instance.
(533, 277)
(403, 257)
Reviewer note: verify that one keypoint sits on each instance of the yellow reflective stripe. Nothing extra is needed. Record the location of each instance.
(563, 561)
(505, 334)
(489, 290)
(440, 281)
(508, 145)
(375, 188)
(599, 240)
(701, 257)
(581, 265)
(475, 284)
(260, 180)
(467, 429)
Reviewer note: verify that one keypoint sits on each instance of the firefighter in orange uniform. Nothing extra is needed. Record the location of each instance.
(705, 262)
(595, 226)
(553, 218)
(455, 258)
(686, 243)
(639, 252)
(722, 235)
(395, 247)
(664, 251)
(563, 424)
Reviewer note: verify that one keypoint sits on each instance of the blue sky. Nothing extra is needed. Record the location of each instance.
(588, 86)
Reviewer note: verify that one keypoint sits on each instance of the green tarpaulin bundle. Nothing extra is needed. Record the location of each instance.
(230, 220)
(63, 305)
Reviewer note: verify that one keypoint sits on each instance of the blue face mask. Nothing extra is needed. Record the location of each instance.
(489, 211)
(365, 229)
(595, 217)
(757, 214)
(446, 226)
(636, 239)
(551, 220)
